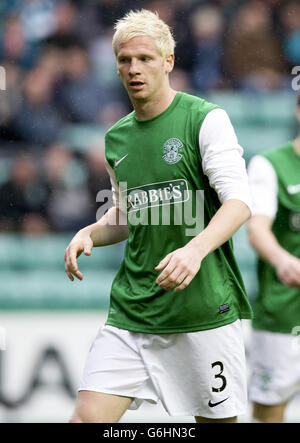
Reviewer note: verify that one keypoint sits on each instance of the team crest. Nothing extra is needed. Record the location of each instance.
(172, 151)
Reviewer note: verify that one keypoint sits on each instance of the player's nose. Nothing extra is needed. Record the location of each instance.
(134, 67)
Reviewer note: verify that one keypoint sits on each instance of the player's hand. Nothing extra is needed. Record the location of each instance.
(80, 243)
(179, 268)
(288, 271)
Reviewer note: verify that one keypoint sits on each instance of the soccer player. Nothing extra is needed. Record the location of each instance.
(274, 232)
(173, 331)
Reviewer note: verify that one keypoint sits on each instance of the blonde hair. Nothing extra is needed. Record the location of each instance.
(144, 23)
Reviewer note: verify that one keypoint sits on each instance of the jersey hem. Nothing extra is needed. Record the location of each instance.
(179, 330)
(276, 330)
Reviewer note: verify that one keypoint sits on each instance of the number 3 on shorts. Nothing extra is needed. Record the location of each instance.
(219, 375)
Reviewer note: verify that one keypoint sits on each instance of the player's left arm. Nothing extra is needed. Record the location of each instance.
(225, 168)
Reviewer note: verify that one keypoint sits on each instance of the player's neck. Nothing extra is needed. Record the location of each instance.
(147, 109)
(297, 145)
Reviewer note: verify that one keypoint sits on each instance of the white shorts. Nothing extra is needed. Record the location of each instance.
(275, 367)
(193, 374)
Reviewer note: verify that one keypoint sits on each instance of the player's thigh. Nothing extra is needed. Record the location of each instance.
(269, 413)
(97, 407)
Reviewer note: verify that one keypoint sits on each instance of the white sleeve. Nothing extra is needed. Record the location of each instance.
(222, 158)
(263, 186)
(119, 203)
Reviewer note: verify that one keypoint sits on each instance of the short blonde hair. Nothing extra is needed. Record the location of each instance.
(144, 23)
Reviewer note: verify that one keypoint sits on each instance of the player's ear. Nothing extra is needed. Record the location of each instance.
(169, 63)
(118, 72)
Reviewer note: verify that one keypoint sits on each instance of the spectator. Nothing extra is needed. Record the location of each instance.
(69, 205)
(13, 45)
(38, 19)
(38, 121)
(33, 224)
(111, 113)
(25, 193)
(206, 27)
(109, 11)
(81, 93)
(52, 60)
(10, 98)
(254, 56)
(103, 60)
(290, 20)
(180, 80)
(98, 178)
(165, 10)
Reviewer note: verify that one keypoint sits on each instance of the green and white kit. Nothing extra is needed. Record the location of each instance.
(277, 306)
(160, 162)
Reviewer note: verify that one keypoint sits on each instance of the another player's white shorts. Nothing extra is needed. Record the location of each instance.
(195, 374)
(275, 367)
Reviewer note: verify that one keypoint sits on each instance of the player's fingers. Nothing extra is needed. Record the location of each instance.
(70, 276)
(174, 279)
(293, 284)
(163, 262)
(72, 259)
(71, 267)
(75, 272)
(70, 271)
(165, 273)
(291, 278)
(78, 274)
(185, 283)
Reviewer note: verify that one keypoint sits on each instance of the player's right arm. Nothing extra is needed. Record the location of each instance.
(263, 184)
(266, 245)
(111, 228)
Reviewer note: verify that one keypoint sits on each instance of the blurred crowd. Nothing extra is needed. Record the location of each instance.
(60, 73)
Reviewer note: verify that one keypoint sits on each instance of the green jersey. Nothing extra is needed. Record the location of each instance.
(160, 161)
(277, 306)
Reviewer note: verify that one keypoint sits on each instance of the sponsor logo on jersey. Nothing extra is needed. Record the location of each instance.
(293, 189)
(172, 151)
(156, 194)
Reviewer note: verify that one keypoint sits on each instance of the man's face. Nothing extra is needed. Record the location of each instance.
(143, 71)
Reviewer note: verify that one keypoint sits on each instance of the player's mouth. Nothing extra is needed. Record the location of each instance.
(136, 85)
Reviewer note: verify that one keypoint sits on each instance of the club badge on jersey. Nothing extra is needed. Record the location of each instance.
(172, 151)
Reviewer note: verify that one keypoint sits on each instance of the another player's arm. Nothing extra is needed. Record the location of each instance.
(266, 245)
(264, 187)
(181, 265)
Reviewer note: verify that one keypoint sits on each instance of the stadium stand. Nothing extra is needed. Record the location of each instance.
(32, 277)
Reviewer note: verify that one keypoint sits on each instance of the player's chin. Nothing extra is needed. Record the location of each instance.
(137, 93)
